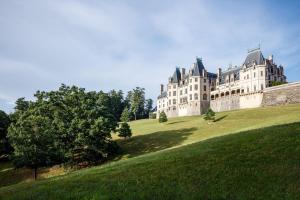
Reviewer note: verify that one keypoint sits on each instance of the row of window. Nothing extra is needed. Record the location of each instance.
(196, 80)
(191, 89)
(254, 75)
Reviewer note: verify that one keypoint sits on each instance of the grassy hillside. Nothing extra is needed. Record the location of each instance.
(256, 164)
(150, 136)
(261, 163)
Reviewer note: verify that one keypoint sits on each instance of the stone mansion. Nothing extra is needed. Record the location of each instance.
(192, 92)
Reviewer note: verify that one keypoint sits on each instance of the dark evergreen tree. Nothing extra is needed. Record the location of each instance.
(209, 115)
(162, 117)
(148, 107)
(125, 130)
(5, 147)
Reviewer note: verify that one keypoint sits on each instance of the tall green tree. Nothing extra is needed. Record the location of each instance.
(81, 124)
(5, 147)
(117, 103)
(148, 107)
(33, 140)
(125, 117)
(137, 101)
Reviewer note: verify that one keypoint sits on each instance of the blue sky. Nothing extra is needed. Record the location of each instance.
(104, 45)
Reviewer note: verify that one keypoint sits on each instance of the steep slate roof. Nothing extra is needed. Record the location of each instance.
(254, 55)
(198, 68)
(235, 71)
(163, 95)
(211, 75)
(176, 76)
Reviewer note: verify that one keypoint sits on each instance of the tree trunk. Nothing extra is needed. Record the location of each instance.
(35, 173)
(134, 116)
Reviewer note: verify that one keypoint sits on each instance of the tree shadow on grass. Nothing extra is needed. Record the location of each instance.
(156, 141)
(176, 122)
(220, 118)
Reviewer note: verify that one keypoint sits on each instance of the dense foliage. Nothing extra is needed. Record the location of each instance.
(210, 114)
(275, 83)
(5, 148)
(162, 117)
(68, 125)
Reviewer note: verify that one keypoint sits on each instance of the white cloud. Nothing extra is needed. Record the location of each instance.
(122, 44)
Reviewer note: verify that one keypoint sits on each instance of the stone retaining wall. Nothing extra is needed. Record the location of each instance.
(282, 94)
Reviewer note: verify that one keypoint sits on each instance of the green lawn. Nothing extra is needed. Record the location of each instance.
(256, 163)
(150, 136)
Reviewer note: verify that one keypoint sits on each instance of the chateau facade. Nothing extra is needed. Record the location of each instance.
(192, 92)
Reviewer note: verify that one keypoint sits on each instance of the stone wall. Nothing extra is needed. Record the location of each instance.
(282, 94)
(225, 103)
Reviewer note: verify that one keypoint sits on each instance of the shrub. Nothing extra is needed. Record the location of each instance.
(125, 130)
(152, 115)
(209, 115)
(162, 117)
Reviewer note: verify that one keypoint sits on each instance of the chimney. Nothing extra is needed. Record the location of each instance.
(219, 72)
(182, 73)
(271, 58)
(161, 88)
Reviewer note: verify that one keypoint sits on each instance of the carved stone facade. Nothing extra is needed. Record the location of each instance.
(246, 86)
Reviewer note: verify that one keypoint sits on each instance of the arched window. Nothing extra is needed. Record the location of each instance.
(227, 93)
(196, 96)
(233, 92)
(238, 91)
(204, 96)
(217, 96)
(212, 97)
(222, 94)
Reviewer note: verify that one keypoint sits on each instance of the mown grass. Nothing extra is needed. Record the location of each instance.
(255, 164)
(150, 136)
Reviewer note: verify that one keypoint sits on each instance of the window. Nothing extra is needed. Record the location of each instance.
(174, 86)
(174, 93)
(169, 94)
(191, 97)
(261, 73)
(204, 80)
(247, 76)
(204, 87)
(185, 91)
(261, 86)
(174, 101)
(169, 101)
(254, 88)
(196, 87)
(196, 79)
(254, 75)
(190, 80)
(247, 89)
(191, 88)
(196, 96)
(204, 97)
(180, 92)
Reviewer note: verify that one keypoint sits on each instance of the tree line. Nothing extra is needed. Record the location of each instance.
(69, 125)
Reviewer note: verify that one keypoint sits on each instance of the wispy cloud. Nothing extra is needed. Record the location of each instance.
(103, 45)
